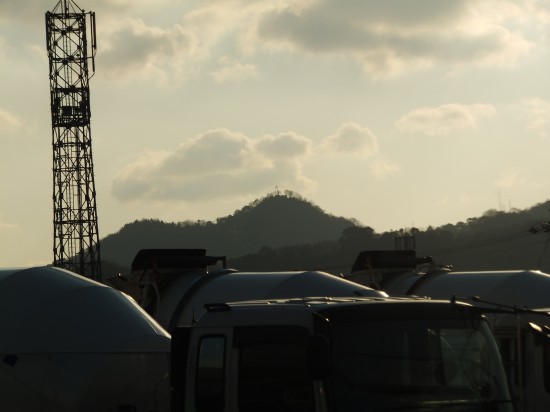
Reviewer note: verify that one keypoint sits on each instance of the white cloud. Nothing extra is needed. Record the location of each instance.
(231, 70)
(351, 138)
(392, 37)
(444, 119)
(130, 47)
(354, 140)
(287, 145)
(386, 38)
(216, 164)
(224, 164)
(27, 11)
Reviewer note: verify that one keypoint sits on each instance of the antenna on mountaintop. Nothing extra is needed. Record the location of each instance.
(76, 238)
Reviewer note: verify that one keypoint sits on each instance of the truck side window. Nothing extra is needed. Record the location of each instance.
(210, 382)
(272, 370)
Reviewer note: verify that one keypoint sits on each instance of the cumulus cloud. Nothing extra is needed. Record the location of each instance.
(215, 164)
(444, 119)
(132, 47)
(351, 138)
(390, 37)
(287, 145)
(222, 164)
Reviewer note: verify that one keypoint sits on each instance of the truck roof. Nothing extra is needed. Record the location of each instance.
(300, 310)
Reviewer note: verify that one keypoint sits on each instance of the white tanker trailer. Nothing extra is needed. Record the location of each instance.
(74, 345)
(173, 285)
(399, 354)
(520, 298)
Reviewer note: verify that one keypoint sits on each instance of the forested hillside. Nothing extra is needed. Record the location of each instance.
(277, 220)
(494, 241)
(285, 231)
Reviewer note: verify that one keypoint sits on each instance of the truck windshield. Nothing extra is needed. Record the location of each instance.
(419, 365)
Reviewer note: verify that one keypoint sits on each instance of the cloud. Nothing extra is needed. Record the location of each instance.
(8, 121)
(27, 11)
(130, 47)
(351, 138)
(231, 70)
(392, 37)
(218, 163)
(444, 119)
(385, 38)
(287, 145)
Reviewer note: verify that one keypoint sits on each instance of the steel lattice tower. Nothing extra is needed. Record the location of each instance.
(76, 238)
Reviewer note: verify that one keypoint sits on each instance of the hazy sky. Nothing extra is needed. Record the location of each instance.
(398, 113)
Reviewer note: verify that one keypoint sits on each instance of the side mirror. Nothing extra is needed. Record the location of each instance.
(317, 357)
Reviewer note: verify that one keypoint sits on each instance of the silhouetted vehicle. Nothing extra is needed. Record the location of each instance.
(517, 304)
(338, 354)
(311, 341)
(173, 285)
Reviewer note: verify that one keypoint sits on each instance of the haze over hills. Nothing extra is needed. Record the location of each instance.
(283, 231)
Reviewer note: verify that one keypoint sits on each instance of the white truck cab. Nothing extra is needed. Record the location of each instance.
(338, 354)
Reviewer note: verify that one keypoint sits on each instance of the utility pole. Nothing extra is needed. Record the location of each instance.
(76, 238)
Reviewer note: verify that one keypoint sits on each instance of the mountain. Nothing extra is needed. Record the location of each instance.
(495, 241)
(275, 221)
(285, 232)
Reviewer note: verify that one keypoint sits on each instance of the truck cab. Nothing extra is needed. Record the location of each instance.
(338, 354)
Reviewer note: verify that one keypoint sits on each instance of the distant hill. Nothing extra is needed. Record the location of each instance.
(285, 232)
(495, 241)
(275, 221)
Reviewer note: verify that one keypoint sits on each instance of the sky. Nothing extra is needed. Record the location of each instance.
(397, 113)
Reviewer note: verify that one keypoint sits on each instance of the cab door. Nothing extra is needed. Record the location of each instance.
(270, 372)
(205, 371)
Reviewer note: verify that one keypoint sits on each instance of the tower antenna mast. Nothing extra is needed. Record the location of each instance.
(71, 45)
